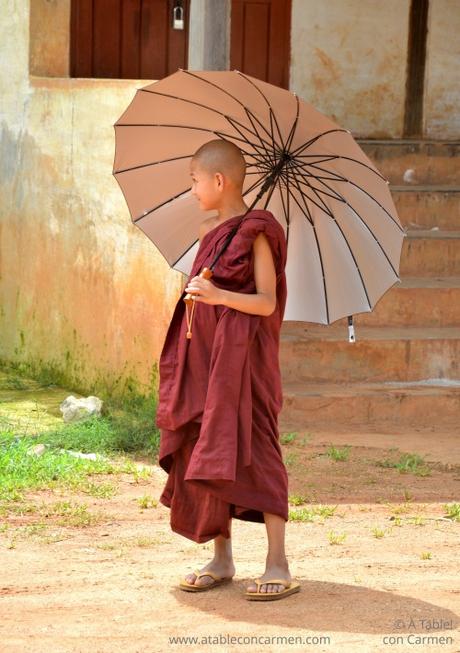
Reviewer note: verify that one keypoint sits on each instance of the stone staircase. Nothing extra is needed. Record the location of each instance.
(404, 368)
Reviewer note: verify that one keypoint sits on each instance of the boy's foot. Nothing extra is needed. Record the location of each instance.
(272, 571)
(222, 570)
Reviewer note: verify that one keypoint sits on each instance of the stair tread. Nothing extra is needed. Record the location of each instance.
(428, 282)
(424, 188)
(407, 141)
(432, 233)
(340, 333)
(416, 388)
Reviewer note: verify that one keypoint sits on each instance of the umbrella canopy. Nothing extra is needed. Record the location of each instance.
(344, 237)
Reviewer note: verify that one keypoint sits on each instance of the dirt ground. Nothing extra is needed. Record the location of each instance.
(392, 584)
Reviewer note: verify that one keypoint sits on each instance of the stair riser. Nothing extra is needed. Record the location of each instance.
(428, 209)
(425, 257)
(432, 163)
(361, 411)
(429, 307)
(334, 361)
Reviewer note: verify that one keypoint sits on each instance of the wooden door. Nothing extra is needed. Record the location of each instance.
(260, 39)
(129, 39)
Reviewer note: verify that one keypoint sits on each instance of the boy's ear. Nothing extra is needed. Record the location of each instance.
(220, 179)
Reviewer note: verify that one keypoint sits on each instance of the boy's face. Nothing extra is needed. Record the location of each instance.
(206, 187)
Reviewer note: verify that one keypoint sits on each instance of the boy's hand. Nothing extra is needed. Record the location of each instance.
(204, 291)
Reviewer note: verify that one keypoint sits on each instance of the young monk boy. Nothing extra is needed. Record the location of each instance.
(220, 390)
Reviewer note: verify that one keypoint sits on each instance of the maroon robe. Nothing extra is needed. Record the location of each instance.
(220, 394)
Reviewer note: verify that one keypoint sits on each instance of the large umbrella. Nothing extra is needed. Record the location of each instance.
(344, 237)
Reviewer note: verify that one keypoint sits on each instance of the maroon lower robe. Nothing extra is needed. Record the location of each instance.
(220, 394)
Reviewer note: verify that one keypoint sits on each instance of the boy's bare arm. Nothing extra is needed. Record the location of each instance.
(264, 301)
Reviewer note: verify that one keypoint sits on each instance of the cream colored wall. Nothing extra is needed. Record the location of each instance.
(442, 76)
(81, 288)
(348, 59)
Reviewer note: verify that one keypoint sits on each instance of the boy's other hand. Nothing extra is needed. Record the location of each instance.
(204, 291)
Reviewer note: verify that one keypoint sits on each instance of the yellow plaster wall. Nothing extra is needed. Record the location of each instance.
(81, 288)
(348, 59)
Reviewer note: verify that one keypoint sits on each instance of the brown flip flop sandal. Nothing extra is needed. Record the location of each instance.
(290, 588)
(191, 587)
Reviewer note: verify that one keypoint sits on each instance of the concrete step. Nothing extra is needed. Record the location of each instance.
(430, 252)
(408, 161)
(316, 353)
(425, 207)
(375, 405)
(416, 301)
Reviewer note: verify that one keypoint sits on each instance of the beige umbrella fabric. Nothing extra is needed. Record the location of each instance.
(344, 237)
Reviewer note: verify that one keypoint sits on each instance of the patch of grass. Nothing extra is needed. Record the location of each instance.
(425, 555)
(297, 499)
(286, 438)
(452, 511)
(290, 459)
(308, 514)
(417, 520)
(399, 509)
(378, 532)
(20, 471)
(147, 501)
(408, 462)
(338, 454)
(335, 538)
(71, 514)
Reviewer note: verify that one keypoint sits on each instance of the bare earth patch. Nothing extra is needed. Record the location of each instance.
(103, 577)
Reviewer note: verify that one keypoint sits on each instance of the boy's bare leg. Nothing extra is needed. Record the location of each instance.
(276, 564)
(221, 564)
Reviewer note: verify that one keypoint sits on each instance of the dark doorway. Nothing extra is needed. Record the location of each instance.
(260, 39)
(128, 39)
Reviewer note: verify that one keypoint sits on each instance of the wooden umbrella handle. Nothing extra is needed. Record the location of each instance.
(206, 273)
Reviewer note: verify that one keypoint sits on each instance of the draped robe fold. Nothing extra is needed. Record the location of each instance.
(220, 394)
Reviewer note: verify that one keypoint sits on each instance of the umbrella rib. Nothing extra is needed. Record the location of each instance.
(344, 179)
(294, 126)
(305, 164)
(202, 106)
(153, 163)
(285, 209)
(320, 257)
(373, 236)
(268, 104)
(351, 251)
(377, 202)
(252, 117)
(303, 147)
(304, 209)
(170, 199)
(367, 226)
(268, 153)
(348, 158)
(188, 72)
(254, 145)
(259, 182)
(184, 252)
(321, 206)
(333, 193)
(223, 135)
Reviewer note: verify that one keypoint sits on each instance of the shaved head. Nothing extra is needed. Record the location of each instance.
(224, 157)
